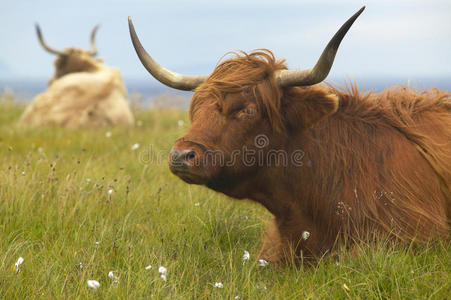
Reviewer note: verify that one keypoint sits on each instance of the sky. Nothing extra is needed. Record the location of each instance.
(403, 38)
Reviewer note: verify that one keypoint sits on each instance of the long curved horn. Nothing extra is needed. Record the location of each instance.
(46, 47)
(93, 51)
(319, 72)
(165, 76)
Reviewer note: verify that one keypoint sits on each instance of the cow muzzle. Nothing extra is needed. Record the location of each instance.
(186, 161)
(181, 159)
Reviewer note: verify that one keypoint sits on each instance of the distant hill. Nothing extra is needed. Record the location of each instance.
(26, 89)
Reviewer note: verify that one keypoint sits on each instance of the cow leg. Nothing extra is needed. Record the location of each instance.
(272, 244)
(293, 239)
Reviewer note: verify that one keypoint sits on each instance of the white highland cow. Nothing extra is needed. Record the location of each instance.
(83, 92)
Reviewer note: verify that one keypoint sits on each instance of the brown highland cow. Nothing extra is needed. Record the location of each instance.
(329, 164)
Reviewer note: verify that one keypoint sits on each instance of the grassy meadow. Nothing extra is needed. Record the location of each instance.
(77, 204)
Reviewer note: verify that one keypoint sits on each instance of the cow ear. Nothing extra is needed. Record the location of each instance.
(308, 105)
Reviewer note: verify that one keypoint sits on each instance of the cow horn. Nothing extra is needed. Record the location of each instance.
(93, 52)
(165, 76)
(46, 47)
(319, 72)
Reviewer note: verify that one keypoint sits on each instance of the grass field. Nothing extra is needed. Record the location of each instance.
(76, 204)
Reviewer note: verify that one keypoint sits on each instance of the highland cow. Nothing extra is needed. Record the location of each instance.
(357, 166)
(83, 92)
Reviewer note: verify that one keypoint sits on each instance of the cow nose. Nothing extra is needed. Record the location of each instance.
(181, 157)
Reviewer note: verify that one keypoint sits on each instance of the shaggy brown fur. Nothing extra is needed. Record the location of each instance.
(77, 60)
(372, 163)
(242, 73)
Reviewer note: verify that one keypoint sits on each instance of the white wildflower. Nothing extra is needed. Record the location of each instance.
(180, 123)
(113, 277)
(23, 173)
(219, 285)
(88, 180)
(97, 243)
(110, 191)
(237, 297)
(17, 264)
(108, 134)
(197, 204)
(246, 256)
(262, 263)
(148, 267)
(305, 235)
(135, 146)
(93, 284)
(163, 271)
(80, 265)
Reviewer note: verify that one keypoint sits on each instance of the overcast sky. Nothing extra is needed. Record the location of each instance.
(402, 38)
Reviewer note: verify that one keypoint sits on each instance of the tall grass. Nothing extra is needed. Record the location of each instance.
(76, 204)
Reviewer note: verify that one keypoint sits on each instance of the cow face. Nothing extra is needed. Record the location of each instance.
(221, 135)
(238, 137)
(75, 60)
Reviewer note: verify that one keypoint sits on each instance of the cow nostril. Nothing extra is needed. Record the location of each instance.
(181, 156)
(191, 154)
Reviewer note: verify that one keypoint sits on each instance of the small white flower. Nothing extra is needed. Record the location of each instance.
(237, 297)
(110, 191)
(180, 123)
(93, 284)
(219, 285)
(197, 204)
(148, 267)
(262, 263)
(17, 264)
(135, 146)
(97, 243)
(246, 256)
(23, 173)
(305, 235)
(113, 277)
(80, 265)
(108, 134)
(139, 123)
(88, 180)
(163, 270)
